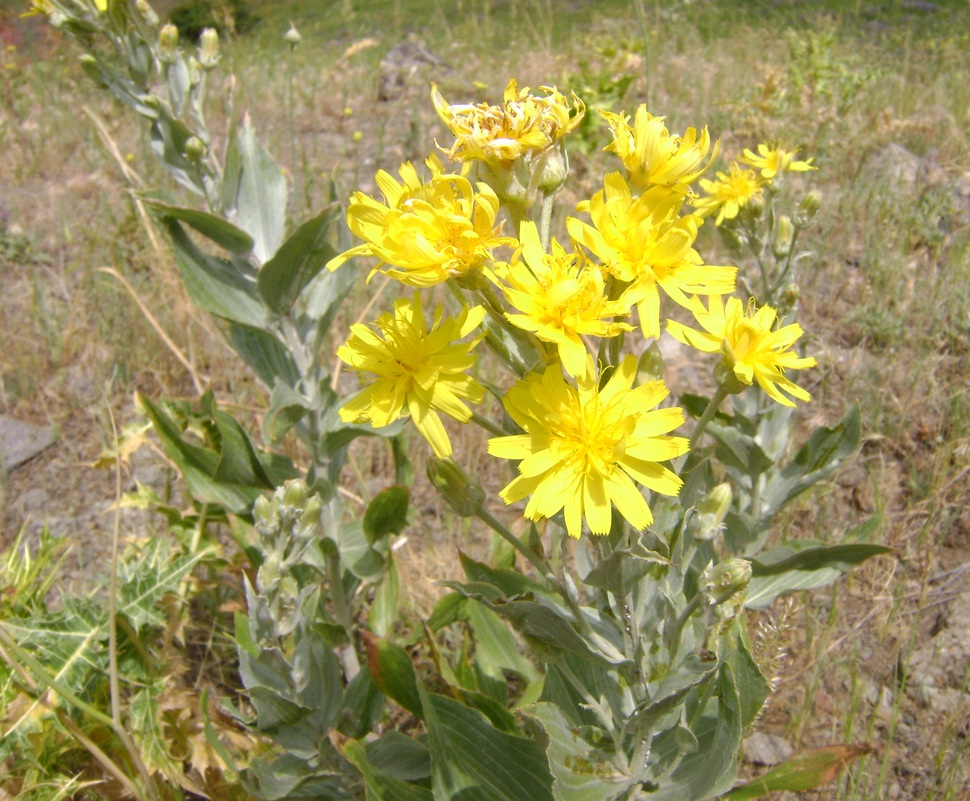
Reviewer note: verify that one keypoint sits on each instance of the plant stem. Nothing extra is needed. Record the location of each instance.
(545, 220)
(719, 395)
(348, 656)
(538, 563)
(488, 425)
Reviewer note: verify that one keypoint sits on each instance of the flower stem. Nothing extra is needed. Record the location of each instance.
(545, 220)
(719, 395)
(538, 563)
(488, 425)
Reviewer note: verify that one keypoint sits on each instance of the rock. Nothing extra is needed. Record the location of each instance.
(400, 66)
(20, 442)
(762, 748)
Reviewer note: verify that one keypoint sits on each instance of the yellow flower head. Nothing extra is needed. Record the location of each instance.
(584, 447)
(750, 346)
(425, 233)
(652, 155)
(729, 193)
(559, 297)
(415, 371)
(645, 243)
(524, 123)
(772, 161)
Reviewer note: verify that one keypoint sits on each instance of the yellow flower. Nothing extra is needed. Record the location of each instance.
(584, 447)
(415, 371)
(652, 155)
(645, 243)
(751, 349)
(773, 161)
(425, 233)
(729, 193)
(524, 123)
(560, 298)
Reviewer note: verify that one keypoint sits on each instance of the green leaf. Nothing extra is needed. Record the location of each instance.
(357, 554)
(802, 772)
(405, 758)
(386, 609)
(224, 288)
(473, 761)
(286, 408)
(144, 723)
(379, 786)
(363, 705)
(623, 569)
(496, 649)
(144, 581)
(511, 582)
(709, 768)
(763, 590)
(238, 461)
(825, 450)
(255, 188)
(217, 229)
(387, 513)
(806, 555)
(449, 609)
(265, 354)
(753, 687)
(392, 671)
(580, 771)
(740, 451)
(297, 262)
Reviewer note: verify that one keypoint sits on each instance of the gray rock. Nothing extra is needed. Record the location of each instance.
(20, 442)
(762, 748)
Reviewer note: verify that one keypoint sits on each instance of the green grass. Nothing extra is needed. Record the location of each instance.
(885, 297)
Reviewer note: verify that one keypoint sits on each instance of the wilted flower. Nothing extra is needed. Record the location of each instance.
(425, 233)
(585, 446)
(414, 371)
(752, 349)
(524, 123)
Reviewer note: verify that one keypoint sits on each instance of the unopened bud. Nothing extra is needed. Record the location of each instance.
(462, 494)
(292, 36)
(710, 513)
(755, 207)
(650, 366)
(790, 295)
(168, 43)
(209, 49)
(726, 581)
(194, 148)
(147, 12)
(807, 209)
(724, 373)
(195, 71)
(784, 236)
(554, 166)
(266, 516)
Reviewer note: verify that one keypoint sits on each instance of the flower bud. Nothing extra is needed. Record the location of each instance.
(168, 43)
(650, 367)
(195, 71)
(266, 516)
(724, 373)
(554, 166)
(209, 49)
(147, 12)
(807, 209)
(784, 236)
(726, 581)
(755, 207)
(194, 148)
(292, 36)
(790, 295)
(709, 514)
(462, 494)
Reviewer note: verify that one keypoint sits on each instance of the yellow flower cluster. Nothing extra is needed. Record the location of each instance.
(732, 191)
(523, 124)
(591, 436)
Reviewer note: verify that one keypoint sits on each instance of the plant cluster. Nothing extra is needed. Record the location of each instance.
(603, 654)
